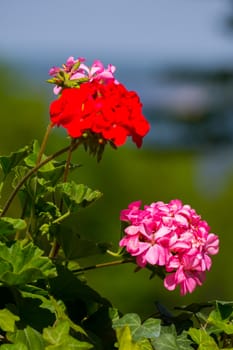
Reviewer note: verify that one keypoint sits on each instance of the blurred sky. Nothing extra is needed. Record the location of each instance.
(127, 29)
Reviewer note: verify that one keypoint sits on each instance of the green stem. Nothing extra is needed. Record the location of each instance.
(30, 173)
(68, 160)
(17, 234)
(54, 249)
(38, 160)
(56, 221)
(44, 142)
(67, 166)
(107, 264)
(55, 245)
(117, 254)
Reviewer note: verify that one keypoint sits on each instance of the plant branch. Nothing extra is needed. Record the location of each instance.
(107, 264)
(55, 245)
(68, 160)
(30, 173)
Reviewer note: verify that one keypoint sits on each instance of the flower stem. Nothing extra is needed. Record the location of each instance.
(117, 254)
(68, 160)
(44, 142)
(55, 245)
(54, 249)
(30, 173)
(56, 221)
(107, 264)
(38, 160)
(17, 234)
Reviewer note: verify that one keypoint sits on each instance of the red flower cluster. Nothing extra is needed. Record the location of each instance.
(108, 110)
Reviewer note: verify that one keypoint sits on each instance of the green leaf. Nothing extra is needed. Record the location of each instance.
(80, 299)
(29, 337)
(10, 225)
(225, 309)
(168, 340)
(34, 312)
(47, 211)
(195, 307)
(56, 334)
(203, 339)
(183, 342)
(53, 170)
(54, 174)
(19, 172)
(113, 314)
(21, 264)
(74, 247)
(67, 286)
(60, 310)
(124, 339)
(77, 195)
(58, 338)
(1, 187)
(165, 341)
(31, 159)
(145, 344)
(18, 346)
(9, 162)
(149, 329)
(131, 320)
(100, 325)
(7, 320)
(221, 317)
(29, 291)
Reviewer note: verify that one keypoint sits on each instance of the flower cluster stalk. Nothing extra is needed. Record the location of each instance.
(44, 143)
(107, 264)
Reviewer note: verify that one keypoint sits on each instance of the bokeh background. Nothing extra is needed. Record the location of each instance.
(178, 55)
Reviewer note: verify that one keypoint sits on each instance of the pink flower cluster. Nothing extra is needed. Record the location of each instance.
(75, 69)
(172, 235)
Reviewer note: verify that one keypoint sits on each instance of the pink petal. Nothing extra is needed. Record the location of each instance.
(156, 255)
(163, 230)
(188, 285)
(170, 282)
(132, 230)
(212, 244)
(182, 220)
(141, 261)
(56, 89)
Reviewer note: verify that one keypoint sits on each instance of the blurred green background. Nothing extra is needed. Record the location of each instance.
(127, 174)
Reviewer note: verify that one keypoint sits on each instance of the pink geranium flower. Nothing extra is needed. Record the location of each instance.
(172, 235)
(148, 244)
(186, 275)
(76, 69)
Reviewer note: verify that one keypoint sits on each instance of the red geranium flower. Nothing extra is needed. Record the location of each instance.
(107, 110)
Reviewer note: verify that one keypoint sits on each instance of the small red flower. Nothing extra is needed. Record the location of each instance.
(108, 110)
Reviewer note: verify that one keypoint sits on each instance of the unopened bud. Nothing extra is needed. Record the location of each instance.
(85, 135)
(76, 66)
